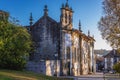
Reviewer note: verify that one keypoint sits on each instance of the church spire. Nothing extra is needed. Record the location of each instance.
(80, 26)
(31, 19)
(45, 11)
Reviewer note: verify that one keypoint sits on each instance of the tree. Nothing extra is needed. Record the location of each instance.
(15, 46)
(109, 24)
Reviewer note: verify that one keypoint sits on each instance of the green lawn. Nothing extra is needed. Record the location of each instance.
(25, 75)
(2, 77)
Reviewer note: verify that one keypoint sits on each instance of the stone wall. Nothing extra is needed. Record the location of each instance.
(39, 67)
(47, 67)
(45, 34)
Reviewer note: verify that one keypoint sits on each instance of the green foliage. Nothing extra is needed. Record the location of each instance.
(15, 45)
(116, 67)
(109, 24)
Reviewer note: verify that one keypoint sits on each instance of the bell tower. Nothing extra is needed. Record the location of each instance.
(66, 18)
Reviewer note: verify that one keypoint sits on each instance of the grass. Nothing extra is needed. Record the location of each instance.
(25, 75)
(2, 77)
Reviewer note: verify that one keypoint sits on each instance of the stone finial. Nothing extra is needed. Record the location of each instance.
(71, 8)
(88, 33)
(80, 26)
(63, 6)
(45, 11)
(93, 36)
(66, 4)
(31, 19)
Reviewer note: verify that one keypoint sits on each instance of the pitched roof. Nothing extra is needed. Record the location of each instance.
(112, 53)
(48, 19)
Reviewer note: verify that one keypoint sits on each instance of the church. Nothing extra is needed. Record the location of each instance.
(60, 49)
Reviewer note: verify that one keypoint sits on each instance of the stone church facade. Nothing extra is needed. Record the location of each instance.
(59, 48)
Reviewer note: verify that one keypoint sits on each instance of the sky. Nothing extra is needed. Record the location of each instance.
(88, 12)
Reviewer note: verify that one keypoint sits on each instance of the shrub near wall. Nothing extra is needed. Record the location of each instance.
(116, 67)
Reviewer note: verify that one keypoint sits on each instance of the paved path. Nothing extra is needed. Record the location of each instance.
(97, 76)
(89, 78)
(96, 79)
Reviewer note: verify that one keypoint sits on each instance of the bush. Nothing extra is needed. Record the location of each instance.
(116, 67)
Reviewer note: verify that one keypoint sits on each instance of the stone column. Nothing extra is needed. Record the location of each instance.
(105, 63)
(91, 59)
(117, 59)
(81, 58)
(65, 55)
(62, 51)
(58, 68)
(111, 63)
(70, 60)
(94, 62)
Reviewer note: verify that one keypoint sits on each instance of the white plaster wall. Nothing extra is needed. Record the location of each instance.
(76, 68)
(50, 64)
(117, 59)
(58, 67)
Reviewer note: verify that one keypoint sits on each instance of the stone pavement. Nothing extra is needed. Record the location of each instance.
(109, 76)
(97, 76)
(89, 79)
